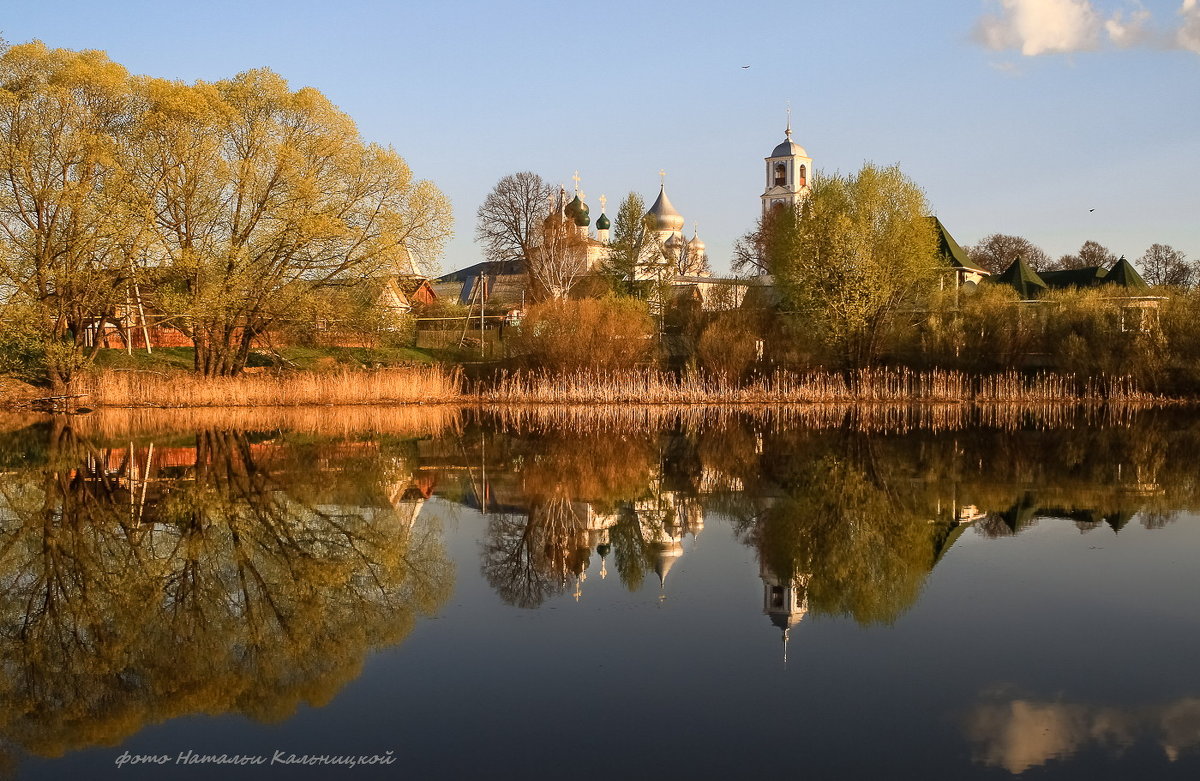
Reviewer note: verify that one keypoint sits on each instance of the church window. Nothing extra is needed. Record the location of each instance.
(803, 175)
(780, 174)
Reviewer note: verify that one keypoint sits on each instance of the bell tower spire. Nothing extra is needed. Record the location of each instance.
(788, 171)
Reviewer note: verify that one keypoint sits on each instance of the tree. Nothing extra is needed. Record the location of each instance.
(750, 251)
(256, 197)
(629, 239)
(558, 258)
(64, 229)
(998, 251)
(225, 203)
(509, 221)
(1164, 265)
(859, 248)
(1090, 255)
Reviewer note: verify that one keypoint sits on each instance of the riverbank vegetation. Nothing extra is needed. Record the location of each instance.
(264, 237)
(649, 386)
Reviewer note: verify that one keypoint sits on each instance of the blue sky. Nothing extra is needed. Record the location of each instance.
(1015, 116)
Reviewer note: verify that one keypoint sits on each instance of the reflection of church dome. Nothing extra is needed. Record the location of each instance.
(665, 558)
(662, 215)
(602, 222)
(784, 620)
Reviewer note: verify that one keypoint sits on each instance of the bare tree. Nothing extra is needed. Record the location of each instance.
(750, 251)
(1091, 254)
(558, 257)
(998, 251)
(1165, 265)
(508, 223)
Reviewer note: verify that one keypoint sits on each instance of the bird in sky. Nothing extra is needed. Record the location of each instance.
(745, 66)
(1091, 210)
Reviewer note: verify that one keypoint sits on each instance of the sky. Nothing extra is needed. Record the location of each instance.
(1058, 120)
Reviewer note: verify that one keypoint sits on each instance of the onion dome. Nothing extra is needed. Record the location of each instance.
(662, 215)
(696, 245)
(602, 223)
(673, 242)
(578, 211)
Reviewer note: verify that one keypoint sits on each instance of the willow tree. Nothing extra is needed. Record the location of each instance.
(858, 250)
(65, 235)
(256, 195)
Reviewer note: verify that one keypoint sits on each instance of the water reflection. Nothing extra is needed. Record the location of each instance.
(1017, 734)
(217, 573)
(156, 568)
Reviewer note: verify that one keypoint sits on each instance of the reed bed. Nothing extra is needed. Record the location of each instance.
(417, 385)
(866, 386)
(437, 385)
(405, 421)
(877, 418)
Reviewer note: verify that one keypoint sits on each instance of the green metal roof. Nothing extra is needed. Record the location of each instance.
(1023, 279)
(1075, 277)
(954, 254)
(1124, 274)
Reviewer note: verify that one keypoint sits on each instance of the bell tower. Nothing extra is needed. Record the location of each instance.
(789, 169)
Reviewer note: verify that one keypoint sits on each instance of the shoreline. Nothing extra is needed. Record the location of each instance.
(438, 386)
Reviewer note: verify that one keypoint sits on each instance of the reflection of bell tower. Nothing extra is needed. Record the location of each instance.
(789, 170)
(785, 601)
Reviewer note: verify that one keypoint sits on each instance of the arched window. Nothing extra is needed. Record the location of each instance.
(780, 174)
(803, 175)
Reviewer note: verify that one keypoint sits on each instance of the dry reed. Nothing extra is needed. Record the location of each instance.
(436, 385)
(406, 421)
(878, 418)
(429, 385)
(865, 386)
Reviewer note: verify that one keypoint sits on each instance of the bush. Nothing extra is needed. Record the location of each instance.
(729, 345)
(22, 353)
(593, 333)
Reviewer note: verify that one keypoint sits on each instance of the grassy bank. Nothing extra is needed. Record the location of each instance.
(443, 385)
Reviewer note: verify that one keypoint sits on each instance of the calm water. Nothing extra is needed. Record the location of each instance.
(919, 595)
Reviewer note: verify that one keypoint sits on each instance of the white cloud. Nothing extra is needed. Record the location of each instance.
(1041, 27)
(1188, 34)
(1035, 27)
(1134, 31)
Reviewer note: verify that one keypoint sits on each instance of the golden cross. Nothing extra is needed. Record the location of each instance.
(603, 203)
(662, 176)
(576, 178)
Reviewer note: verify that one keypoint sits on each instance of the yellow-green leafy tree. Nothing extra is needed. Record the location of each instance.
(256, 195)
(65, 232)
(859, 249)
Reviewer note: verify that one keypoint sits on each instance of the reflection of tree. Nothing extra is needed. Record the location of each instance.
(575, 488)
(241, 583)
(852, 540)
(530, 559)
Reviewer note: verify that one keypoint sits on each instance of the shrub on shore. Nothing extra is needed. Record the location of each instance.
(598, 334)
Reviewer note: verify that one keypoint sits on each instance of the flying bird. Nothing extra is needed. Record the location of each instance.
(1091, 210)
(745, 66)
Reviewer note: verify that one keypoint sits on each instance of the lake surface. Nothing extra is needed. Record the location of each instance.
(821, 593)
